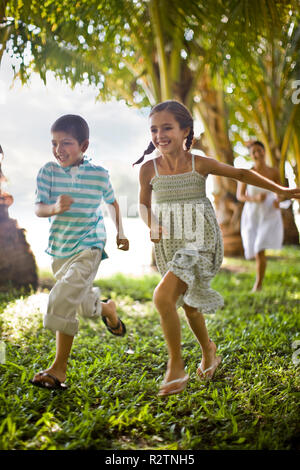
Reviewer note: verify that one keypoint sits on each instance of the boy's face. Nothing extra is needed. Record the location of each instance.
(66, 149)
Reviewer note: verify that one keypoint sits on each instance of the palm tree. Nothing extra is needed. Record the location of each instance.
(262, 102)
(147, 51)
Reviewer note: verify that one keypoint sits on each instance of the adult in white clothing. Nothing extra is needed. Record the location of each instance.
(261, 221)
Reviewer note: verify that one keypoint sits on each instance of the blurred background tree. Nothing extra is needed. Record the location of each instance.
(232, 63)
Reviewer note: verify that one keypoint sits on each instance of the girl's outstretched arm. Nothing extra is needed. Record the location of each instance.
(214, 167)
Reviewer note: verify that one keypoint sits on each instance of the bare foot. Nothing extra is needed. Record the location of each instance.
(210, 362)
(109, 310)
(256, 287)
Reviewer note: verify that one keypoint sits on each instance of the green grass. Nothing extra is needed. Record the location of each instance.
(252, 403)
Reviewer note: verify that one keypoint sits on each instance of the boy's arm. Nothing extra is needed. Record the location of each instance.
(116, 216)
(62, 204)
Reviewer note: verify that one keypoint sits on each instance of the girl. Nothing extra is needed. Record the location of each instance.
(261, 222)
(188, 242)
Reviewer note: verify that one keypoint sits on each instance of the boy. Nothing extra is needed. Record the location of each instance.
(70, 191)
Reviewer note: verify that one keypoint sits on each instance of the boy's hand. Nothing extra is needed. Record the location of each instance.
(63, 203)
(123, 243)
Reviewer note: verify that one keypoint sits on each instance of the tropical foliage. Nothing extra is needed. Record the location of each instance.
(263, 101)
(233, 63)
(148, 51)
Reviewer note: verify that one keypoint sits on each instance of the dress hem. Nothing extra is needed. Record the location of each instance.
(184, 299)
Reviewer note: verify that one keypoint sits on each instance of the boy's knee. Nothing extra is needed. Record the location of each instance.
(91, 306)
(53, 322)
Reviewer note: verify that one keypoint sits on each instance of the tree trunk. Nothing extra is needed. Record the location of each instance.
(215, 142)
(291, 233)
(17, 262)
(228, 212)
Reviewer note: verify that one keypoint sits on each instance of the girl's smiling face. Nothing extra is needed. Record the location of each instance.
(167, 136)
(66, 149)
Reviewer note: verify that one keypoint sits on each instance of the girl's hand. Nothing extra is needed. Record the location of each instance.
(122, 243)
(157, 233)
(290, 193)
(63, 204)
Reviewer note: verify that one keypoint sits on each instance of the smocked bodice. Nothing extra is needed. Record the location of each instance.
(178, 188)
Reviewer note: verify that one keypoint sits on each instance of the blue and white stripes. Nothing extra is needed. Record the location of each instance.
(82, 226)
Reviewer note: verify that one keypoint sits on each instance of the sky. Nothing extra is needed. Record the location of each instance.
(117, 133)
(27, 113)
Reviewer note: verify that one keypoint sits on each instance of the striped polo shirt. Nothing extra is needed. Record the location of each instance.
(82, 226)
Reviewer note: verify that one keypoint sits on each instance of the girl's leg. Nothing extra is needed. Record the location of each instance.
(59, 367)
(197, 324)
(261, 264)
(165, 297)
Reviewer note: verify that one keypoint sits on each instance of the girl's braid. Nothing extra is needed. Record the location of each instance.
(148, 150)
(189, 139)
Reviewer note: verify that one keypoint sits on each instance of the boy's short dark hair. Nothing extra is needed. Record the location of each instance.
(74, 125)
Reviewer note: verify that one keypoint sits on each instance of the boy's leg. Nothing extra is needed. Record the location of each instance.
(59, 367)
(74, 276)
(92, 307)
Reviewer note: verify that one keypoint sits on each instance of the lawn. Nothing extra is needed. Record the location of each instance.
(111, 403)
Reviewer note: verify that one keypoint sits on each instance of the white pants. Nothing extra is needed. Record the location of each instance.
(73, 292)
